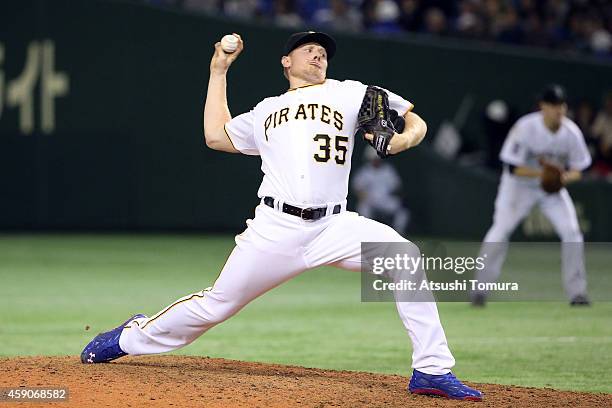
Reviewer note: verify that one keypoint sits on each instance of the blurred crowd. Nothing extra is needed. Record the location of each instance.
(597, 129)
(575, 26)
(572, 26)
(596, 126)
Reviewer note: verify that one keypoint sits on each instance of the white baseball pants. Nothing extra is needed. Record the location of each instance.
(515, 199)
(274, 248)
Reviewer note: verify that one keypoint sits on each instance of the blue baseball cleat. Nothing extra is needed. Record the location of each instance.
(446, 385)
(105, 346)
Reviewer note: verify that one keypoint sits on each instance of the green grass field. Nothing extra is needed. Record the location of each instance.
(52, 286)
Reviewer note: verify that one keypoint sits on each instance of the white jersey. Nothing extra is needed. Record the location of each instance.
(530, 139)
(305, 138)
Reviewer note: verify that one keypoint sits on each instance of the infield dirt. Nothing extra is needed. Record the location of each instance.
(173, 381)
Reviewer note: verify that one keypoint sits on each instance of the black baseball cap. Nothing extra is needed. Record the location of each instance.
(553, 94)
(324, 40)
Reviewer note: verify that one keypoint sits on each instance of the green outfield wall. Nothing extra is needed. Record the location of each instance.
(101, 118)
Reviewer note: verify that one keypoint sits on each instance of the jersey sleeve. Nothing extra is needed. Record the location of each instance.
(579, 157)
(241, 133)
(514, 151)
(401, 105)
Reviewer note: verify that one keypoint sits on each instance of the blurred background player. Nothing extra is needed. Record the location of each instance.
(543, 136)
(378, 187)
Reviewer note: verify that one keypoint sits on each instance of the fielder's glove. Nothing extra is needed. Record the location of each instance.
(551, 179)
(375, 117)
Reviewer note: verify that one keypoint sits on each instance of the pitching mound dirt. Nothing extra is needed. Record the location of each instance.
(171, 381)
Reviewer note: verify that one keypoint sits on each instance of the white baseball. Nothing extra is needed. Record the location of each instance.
(229, 43)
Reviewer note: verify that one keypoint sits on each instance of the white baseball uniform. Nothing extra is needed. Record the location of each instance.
(377, 185)
(305, 138)
(527, 142)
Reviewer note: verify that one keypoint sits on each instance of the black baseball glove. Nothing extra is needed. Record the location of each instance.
(375, 117)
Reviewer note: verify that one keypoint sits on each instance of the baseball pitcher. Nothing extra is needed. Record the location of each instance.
(305, 139)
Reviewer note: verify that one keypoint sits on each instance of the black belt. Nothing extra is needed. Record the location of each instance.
(304, 213)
